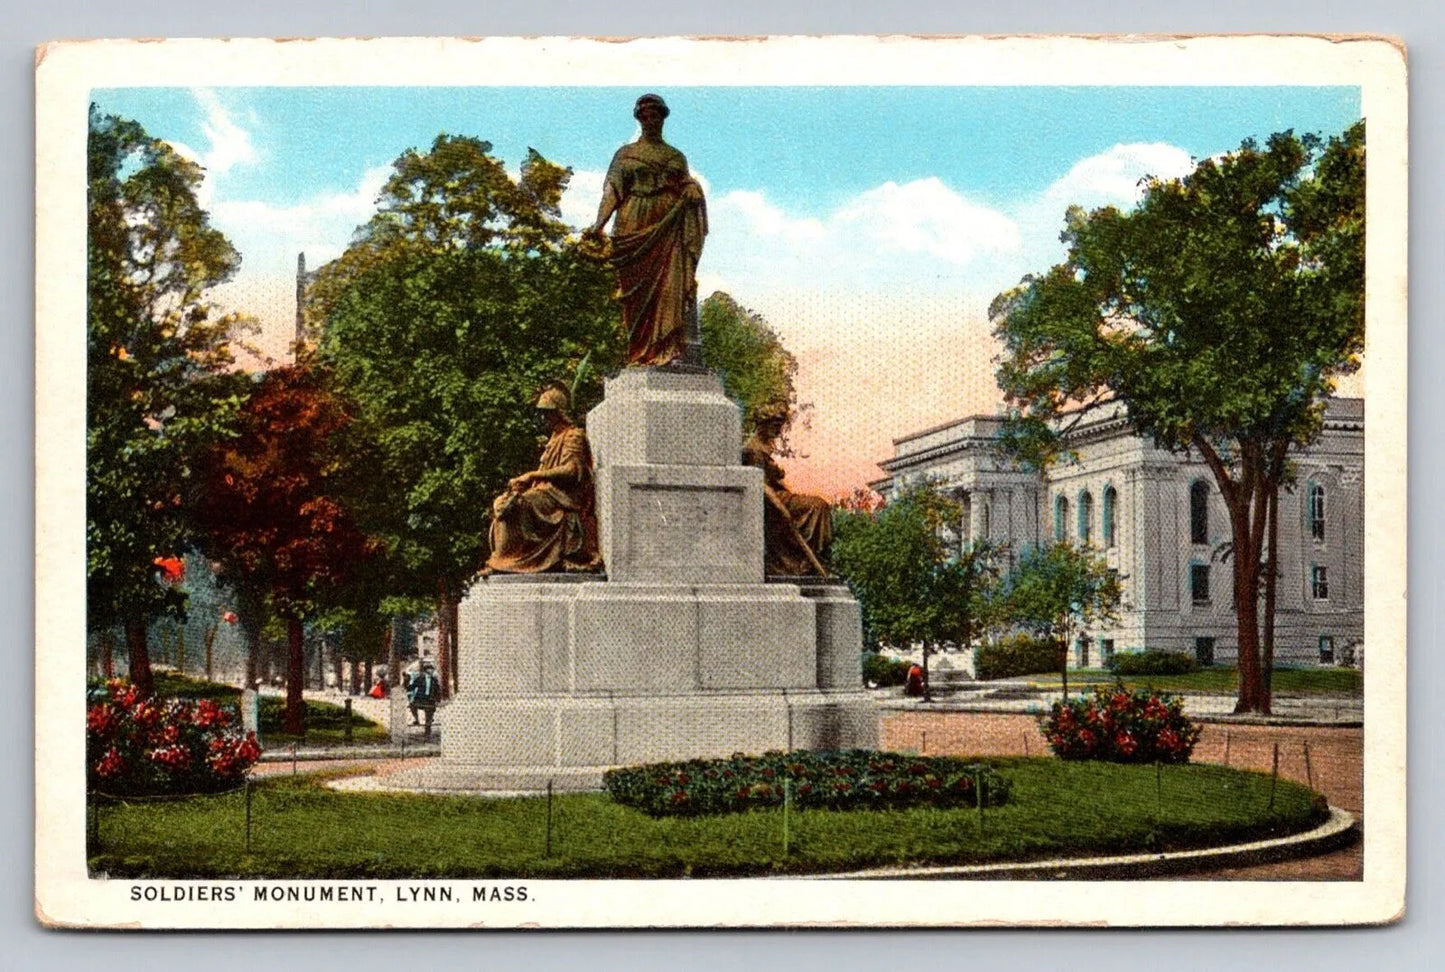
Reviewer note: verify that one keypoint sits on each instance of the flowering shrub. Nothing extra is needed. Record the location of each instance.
(856, 779)
(145, 747)
(1122, 727)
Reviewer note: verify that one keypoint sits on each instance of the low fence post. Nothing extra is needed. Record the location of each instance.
(1158, 790)
(978, 796)
(787, 808)
(1273, 775)
(346, 733)
(548, 851)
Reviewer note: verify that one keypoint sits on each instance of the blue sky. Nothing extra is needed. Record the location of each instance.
(871, 225)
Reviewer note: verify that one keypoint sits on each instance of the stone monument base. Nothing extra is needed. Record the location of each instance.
(569, 741)
(567, 675)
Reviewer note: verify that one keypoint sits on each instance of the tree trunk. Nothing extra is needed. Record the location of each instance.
(1064, 663)
(927, 688)
(1271, 582)
(139, 657)
(253, 659)
(1247, 500)
(210, 652)
(444, 640)
(454, 628)
(1246, 599)
(393, 657)
(295, 677)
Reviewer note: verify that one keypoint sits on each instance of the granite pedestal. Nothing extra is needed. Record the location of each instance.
(683, 649)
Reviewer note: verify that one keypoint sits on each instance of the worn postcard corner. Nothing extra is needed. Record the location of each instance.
(570, 483)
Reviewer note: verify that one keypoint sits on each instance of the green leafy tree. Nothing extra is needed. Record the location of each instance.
(914, 579)
(757, 370)
(159, 391)
(1058, 590)
(1218, 314)
(458, 300)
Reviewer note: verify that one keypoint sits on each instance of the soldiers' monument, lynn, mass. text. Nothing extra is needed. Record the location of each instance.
(684, 647)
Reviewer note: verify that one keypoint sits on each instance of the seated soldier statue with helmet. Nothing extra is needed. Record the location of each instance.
(546, 520)
(797, 527)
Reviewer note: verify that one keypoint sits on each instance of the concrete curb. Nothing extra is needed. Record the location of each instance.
(1340, 830)
(319, 753)
(1037, 710)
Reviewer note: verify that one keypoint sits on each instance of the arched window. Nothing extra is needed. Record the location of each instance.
(965, 503)
(1086, 516)
(1061, 519)
(983, 521)
(1111, 500)
(1317, 511)
(1199, 512)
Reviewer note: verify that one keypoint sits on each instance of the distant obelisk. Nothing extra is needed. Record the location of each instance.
(300, 304)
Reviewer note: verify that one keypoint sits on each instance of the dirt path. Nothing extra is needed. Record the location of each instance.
(1335, 767)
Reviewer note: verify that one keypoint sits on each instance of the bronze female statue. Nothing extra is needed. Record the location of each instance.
(656, 240)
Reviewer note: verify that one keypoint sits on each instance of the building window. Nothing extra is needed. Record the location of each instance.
(984, 521)
(1081, 652)
(1111, 500)
(1199, 583)
(965, 528)
(1061, 519)
(1319, 582)
(1327, 650)
(1204, 651)
(1106, 652)
(1199, 512)
(1086, 516)
(1317, 511)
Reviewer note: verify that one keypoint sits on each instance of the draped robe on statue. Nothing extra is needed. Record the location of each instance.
(808, 519)
(656, 242)
(550, 525)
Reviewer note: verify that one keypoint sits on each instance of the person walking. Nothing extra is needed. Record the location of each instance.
(422, 695)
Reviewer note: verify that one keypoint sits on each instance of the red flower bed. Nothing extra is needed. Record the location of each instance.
(854, 779)
(1120, 726)
(150, 747)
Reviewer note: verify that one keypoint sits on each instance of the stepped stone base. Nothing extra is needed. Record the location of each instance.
(512, 743)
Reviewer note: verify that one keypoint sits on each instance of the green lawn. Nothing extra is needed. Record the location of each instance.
(325, 723)
(300, 829)
(1220, 678)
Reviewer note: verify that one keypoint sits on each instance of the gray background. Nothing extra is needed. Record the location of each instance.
(26, 946)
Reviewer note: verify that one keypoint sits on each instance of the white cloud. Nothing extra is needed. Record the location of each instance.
(579, 202)
(229, 144)
(927, 217)
(269, 235)
(1115, 177)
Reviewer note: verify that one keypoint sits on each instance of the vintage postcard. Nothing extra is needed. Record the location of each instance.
(572, 483)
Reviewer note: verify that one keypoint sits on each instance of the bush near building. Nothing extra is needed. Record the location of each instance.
(1018, 654)
(1152, 661)
(1120, 726)
(880, 671)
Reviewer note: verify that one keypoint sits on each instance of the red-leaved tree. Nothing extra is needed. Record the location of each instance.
(271, 513)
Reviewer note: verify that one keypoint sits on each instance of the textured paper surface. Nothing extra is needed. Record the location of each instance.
(66, 75)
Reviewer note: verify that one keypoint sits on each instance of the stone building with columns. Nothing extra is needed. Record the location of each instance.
(1160, 521)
